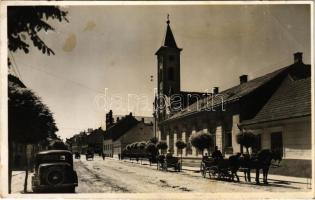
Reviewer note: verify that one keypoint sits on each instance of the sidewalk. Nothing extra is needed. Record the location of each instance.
(18, 178)
(272, 177)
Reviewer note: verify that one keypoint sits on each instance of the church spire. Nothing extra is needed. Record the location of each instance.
(169, 37)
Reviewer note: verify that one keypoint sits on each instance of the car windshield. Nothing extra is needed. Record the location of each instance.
(49, 158)
(52, 158)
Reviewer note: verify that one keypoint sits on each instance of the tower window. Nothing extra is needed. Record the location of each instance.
(171, 58)
(170, 73)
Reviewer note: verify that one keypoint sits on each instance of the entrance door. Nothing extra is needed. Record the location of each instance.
(276, 142)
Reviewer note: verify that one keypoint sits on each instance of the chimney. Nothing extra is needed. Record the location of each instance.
(130, 114)
(215, 90)
(243, 79)
(298, 58)
(142, 119)
(117, 119)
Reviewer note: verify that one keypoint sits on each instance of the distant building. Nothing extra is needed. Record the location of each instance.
(126, 130)
(78, 142)
(276, 106)
(147, 120)
(95, 140)
(108, 145)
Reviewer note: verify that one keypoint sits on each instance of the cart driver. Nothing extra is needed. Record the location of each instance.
(216, 154)
(169, 154)
(205, 158)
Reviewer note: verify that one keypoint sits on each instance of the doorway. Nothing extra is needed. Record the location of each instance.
(276, 142)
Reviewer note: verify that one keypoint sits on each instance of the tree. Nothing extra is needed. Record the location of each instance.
(246, 139)
(30, 121)
(201, 141)
(141, 147)
(181, 145)
(24, 25)
(162, 145)
(25, 22)
(133, 149)
(151, 149)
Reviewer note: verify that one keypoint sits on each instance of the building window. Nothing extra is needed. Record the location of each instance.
(170, 73)
(257, 145)
(228, 139)
(276, 143)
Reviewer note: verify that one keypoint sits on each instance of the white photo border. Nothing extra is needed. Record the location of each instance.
(191, 195)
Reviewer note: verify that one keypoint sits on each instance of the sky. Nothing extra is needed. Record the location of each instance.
(105, 54)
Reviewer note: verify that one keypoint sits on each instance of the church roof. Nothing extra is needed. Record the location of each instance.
(169, 40)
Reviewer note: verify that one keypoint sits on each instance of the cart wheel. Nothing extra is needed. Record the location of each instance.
(213, 172)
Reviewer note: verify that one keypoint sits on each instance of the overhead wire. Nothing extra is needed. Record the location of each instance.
(65, 79)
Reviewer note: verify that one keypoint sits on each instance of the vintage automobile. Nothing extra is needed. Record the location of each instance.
(53, 172)
(89, 155)
(77, 155)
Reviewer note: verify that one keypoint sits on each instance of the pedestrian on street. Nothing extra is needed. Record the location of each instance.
(103, 155)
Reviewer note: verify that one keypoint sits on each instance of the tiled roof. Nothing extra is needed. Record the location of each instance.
(292, 99)
(226, 96)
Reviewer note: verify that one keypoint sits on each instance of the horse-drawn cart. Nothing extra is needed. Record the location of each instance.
(227, 168)
(168, 162)
(213, 169)
(218, 169)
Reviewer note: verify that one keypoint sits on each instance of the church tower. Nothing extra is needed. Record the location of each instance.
(168, 60)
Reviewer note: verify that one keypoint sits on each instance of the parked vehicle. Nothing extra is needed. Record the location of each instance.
(77, 155)
(53, 172)
(89, 155)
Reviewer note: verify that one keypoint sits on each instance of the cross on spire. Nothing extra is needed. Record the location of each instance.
(169, 37)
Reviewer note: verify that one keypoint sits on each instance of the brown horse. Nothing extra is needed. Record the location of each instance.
(262, 161)
(228, 167)
(246, 166)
